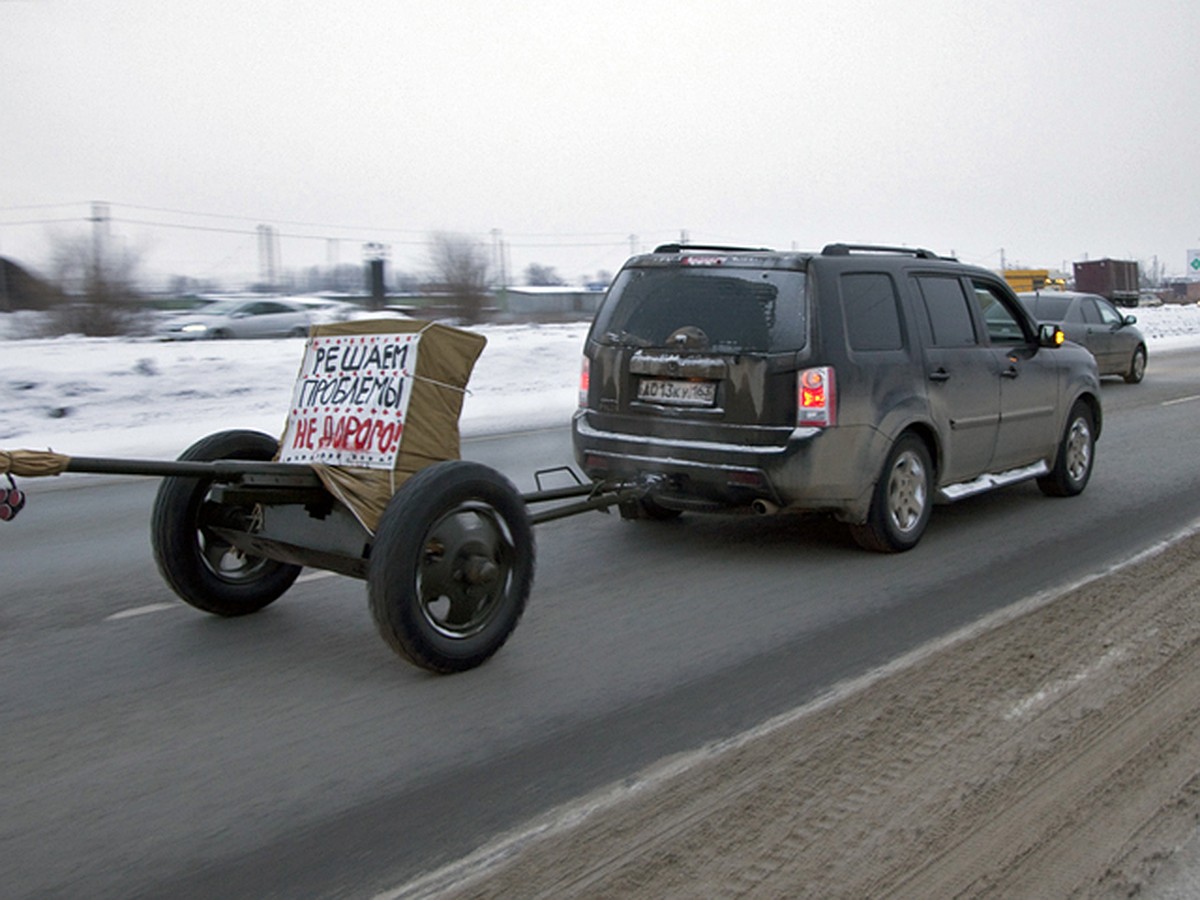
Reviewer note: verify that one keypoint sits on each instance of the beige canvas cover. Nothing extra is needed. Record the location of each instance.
(444, 362)
(32, 463)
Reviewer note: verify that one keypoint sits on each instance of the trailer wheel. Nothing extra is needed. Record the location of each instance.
(205, 571)
(451, 566)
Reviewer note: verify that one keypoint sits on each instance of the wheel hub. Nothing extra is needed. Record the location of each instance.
(463, 572)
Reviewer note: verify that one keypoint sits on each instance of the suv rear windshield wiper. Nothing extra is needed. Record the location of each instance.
(625, 339)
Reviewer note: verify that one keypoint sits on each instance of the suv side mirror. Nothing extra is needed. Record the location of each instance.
(1050, 335)
(1129, 320)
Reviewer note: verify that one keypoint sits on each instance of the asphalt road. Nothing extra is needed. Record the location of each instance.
(149, 750)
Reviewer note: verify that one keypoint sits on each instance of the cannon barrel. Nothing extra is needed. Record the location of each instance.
(229, 471)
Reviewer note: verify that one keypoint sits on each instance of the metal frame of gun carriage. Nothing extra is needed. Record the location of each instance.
(448, 570)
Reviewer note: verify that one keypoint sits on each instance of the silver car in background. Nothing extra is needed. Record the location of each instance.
(251, 318)
(1088, 319)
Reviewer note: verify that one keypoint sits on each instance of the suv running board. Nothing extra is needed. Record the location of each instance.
(989, 481)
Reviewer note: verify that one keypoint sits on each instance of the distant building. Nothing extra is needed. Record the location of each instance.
(564, 302)
(1185, 291)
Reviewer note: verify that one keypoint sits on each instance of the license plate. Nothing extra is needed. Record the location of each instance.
(681, 393)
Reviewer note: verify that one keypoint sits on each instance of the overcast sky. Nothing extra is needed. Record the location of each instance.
(1051, 130)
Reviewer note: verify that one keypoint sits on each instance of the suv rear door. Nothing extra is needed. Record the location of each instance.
(697, 349)
(1028, 380)
(963, 374)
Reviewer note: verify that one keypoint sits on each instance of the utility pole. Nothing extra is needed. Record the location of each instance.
(332, 258)
(268, 255)
(633, 243)
(498, 257)
(99, 220)
(376, 254)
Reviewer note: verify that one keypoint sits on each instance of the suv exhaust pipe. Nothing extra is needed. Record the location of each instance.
(764, 507)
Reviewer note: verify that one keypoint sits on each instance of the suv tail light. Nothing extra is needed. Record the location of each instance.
(816, 397)
(585, 380)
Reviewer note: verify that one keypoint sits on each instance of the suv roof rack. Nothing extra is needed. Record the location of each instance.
(847, 249)
(680, 248)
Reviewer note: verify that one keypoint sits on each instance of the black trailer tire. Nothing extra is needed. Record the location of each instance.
(1076, 456)
(902, 501)
(200, 567)
(451, 566)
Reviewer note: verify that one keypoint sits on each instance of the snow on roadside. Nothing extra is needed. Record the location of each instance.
(144, 398)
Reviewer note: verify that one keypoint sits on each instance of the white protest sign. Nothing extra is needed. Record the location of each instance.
(350, 404)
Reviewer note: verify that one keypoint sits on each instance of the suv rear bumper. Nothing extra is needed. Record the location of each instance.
(710, 474)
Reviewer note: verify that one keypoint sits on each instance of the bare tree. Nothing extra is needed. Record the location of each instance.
(460, 268)
(537, 275)
(99, 285)
(1152, 274)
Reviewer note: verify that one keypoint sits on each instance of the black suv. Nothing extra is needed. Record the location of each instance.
(867, 382)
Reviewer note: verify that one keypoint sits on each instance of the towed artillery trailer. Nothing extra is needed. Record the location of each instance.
(448, 570)
(446, 546)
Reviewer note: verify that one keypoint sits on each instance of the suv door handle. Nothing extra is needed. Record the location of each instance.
(939, 375)
(1010, 372)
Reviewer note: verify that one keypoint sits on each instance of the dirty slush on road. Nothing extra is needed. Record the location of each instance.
(1050, 752)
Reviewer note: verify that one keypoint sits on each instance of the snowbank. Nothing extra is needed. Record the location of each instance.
(144, 398)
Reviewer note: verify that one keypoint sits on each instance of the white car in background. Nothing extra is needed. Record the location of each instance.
(252, 318)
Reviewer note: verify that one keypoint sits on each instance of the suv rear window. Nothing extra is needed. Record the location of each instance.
(872, 316)
(737, 310)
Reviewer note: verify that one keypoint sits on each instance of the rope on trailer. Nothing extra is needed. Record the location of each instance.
(462, 389)
(33, 463)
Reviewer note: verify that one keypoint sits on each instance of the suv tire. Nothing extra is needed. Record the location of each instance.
(902, 501)
(1076, 453)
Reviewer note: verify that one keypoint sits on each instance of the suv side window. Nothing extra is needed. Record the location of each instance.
(872, 317)
(947, 310)
(1002, 326)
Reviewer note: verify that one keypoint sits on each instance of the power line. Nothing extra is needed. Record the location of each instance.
(40, 206)
(558, 240)
(47, 221)
(371, 228)
(297, 224)
(254, 231)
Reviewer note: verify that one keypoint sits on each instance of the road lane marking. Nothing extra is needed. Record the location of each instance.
(316, 575)
(1181, 400)
(141, 611)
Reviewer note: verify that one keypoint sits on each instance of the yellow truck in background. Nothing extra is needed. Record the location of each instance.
(1034, 280)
